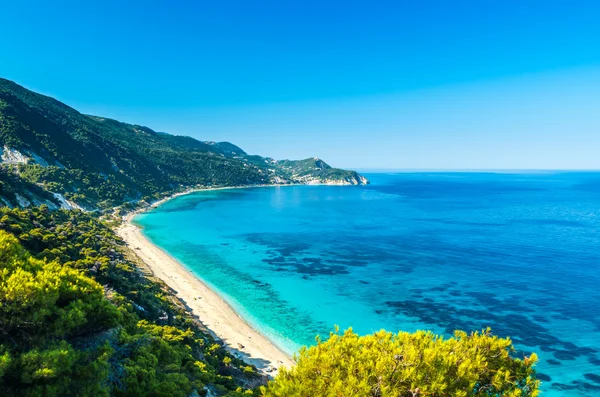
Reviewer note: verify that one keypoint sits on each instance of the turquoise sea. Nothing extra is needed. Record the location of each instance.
(519, 252)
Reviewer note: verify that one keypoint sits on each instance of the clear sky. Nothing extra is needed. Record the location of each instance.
(364, 84)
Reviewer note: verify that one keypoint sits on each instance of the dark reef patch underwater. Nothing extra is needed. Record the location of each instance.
(517, 252)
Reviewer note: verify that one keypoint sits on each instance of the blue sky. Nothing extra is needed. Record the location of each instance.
(370, 84)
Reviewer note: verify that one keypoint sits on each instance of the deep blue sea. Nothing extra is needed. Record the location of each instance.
(518, 252)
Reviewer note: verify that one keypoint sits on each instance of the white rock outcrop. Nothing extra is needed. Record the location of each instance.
(66, 204)
(13, 156)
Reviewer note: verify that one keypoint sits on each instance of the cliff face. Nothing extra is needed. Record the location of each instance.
(95, 162)
(353, 178)
(313, 171)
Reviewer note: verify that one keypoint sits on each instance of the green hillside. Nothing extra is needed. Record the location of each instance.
(79, 316)
(97, 162)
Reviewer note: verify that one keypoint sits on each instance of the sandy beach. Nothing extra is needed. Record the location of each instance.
(225, 324)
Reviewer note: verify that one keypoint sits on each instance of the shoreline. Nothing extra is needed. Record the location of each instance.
(129, 216)
(222, 321)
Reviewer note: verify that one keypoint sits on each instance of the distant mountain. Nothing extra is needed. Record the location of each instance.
(53, 154)
(315, 170)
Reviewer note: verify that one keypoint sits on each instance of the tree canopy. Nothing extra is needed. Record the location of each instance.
(79, 318)
(420, 364)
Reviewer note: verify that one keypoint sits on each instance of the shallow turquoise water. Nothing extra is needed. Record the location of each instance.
(439, 251)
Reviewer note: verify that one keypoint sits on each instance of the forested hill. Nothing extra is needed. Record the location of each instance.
(96, 162)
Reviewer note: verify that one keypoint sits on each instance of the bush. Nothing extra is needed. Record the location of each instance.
(404, 364)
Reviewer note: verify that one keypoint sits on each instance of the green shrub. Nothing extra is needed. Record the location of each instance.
(404, 364)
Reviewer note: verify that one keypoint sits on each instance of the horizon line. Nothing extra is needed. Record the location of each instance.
(466, 170)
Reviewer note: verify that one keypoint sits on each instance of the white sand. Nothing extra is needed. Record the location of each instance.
(218, 316)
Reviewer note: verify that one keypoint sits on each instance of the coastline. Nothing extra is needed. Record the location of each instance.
(224, 323)
(129, 216)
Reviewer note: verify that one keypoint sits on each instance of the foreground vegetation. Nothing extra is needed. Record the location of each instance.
(397, 365)
(78, 317)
